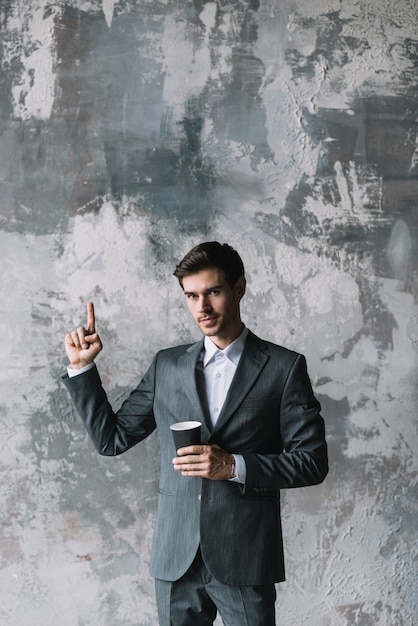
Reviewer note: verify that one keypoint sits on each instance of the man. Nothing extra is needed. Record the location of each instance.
(217, 541)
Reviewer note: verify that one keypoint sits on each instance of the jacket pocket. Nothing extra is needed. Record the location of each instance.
(166, 492)
(258, 403)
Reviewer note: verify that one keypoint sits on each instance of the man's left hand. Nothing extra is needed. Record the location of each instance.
(206, 461)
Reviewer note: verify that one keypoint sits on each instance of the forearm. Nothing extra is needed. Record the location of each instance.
(287, 470)
(111, 433)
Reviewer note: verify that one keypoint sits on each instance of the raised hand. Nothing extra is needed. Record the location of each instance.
(83, 345)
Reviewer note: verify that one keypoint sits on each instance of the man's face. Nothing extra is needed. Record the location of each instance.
(215, 305)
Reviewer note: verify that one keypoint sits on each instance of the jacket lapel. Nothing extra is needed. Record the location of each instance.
(186, 371)
(251, 364)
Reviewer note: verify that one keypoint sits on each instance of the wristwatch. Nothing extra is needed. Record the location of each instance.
(233, 473)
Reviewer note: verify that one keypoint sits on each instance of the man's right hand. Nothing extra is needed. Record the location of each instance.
(83, 345)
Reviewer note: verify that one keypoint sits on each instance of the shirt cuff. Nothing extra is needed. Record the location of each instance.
(72, 371)
(240, 469)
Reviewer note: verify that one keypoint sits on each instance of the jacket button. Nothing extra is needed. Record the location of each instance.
(199, 497)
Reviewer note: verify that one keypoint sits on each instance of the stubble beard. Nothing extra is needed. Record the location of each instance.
(212, 331)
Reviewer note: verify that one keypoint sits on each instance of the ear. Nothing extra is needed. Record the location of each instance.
(239, 287)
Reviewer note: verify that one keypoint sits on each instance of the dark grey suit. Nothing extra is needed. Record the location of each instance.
(270, 416)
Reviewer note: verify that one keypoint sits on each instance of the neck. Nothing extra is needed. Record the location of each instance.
(223, 342)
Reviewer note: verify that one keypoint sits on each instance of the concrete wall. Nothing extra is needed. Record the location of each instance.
(131, 130)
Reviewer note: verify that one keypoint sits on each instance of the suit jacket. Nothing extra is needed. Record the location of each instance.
(270, 416)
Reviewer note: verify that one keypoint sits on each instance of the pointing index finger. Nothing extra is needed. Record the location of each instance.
(91, 322)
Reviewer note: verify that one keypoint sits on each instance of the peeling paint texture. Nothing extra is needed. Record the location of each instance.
(130, 131)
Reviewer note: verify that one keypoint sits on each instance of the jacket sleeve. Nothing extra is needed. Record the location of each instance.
(113, 433)
(303, 460)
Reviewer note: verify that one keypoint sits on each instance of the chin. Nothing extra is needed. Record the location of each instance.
(209, 332)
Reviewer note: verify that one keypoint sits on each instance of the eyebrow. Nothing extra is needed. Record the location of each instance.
(189, 293)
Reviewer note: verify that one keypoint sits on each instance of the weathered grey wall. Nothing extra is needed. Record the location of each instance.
(131, 130)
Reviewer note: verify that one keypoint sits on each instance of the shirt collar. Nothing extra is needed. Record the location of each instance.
(233, 352)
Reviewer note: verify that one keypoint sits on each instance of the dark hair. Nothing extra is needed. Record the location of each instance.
(211, 254)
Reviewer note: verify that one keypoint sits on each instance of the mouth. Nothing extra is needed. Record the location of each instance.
(209, 319)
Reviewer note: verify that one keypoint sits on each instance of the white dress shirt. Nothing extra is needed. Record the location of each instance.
(219, 368)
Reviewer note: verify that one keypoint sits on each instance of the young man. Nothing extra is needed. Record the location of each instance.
(217, 541)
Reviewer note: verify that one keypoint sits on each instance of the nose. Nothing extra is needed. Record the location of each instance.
(203, 304)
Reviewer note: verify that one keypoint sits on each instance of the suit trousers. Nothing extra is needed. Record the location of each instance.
(196, 598)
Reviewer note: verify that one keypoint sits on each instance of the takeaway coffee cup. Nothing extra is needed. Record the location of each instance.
(186, 433)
